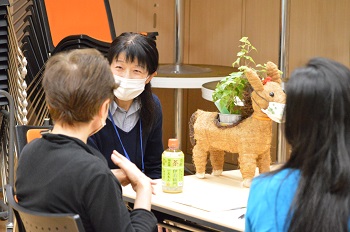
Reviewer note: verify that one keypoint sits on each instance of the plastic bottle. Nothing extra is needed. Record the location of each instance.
(173, 170)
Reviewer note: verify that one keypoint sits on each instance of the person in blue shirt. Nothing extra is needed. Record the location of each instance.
(134, 125)
(311, 191)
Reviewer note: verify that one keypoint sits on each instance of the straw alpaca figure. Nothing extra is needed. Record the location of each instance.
(251, 138)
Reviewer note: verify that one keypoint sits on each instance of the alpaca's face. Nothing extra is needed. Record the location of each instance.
(272, 92)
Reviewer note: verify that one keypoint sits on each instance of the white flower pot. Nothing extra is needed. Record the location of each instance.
(229, 119)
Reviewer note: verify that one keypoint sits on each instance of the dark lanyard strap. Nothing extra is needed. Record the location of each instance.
(121, 143)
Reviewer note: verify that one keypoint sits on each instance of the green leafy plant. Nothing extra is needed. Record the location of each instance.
(228, 94)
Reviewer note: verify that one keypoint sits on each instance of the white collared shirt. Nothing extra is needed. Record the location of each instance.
(125, 120)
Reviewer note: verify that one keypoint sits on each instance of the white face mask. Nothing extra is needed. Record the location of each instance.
(128, 88)
(275, 111)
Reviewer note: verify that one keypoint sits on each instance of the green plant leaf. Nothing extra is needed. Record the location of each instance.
(222, 109)
(250, 59)
(229, 91)
(236, 74)
(236, 62)
(244, 40)
(240, 53)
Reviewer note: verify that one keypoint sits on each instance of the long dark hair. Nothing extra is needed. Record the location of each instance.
(144, 49)
(318, 129)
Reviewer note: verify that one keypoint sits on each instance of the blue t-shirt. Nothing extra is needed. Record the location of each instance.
(269, 200)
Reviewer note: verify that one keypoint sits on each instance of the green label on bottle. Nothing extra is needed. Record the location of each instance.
(172, 171)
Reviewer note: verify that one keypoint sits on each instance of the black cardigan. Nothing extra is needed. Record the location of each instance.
(106, 140)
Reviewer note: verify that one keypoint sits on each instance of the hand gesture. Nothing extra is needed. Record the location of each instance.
(141, 184)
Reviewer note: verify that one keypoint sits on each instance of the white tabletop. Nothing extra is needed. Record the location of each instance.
(208, 89)
(217, 202)
(190, 81)
(181, 83)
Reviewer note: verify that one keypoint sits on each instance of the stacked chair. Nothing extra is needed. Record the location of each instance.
(42, 30)
(81, 41)
(3, 52)
(8, 63)
(30, 32)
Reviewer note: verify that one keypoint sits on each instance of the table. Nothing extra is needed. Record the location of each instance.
(208, 89)
(180, 81)
(215, 203)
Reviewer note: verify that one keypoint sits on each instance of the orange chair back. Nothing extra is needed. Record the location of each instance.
(75, 17)
(34, 134)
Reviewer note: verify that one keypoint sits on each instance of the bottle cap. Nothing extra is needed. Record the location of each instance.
(173, 143)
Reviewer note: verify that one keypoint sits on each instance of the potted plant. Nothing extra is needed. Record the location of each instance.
(228, 95)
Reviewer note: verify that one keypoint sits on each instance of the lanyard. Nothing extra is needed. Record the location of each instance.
(121, 143)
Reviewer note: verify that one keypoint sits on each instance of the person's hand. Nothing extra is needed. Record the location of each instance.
(121, 176)
(141, 184)
(129, 173)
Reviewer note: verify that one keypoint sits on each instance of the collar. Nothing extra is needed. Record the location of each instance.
(135, 106)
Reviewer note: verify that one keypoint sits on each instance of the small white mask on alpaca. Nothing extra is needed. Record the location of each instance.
(275, 111)
(128, 88)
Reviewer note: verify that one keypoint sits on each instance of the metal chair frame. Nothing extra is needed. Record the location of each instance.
(34, 221)
(8, 153)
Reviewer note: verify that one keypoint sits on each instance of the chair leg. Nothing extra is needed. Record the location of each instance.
(10, 227)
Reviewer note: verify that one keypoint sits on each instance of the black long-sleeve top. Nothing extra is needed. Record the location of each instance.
(60, 174)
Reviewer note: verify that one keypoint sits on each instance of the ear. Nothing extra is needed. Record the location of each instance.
(273, 72)
(151, 76)
(103, 112)
(254, 79)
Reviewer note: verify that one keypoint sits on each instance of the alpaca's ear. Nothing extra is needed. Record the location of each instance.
(254, 79)
(273, 72)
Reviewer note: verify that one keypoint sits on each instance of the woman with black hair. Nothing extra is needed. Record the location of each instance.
(311, 192)
(134, 125)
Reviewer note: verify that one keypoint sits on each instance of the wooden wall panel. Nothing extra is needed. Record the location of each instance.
(261, 25)
(124, 14)
(159, 16)
(215, 28)
(166, 97)
(147, 16)
(319, 28)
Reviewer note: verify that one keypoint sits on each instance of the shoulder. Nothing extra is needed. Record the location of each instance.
(272, 183)
(157, 103)
(72, 160)
(271, 193)
(156, 99)
(271, 179)
(62, 148)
